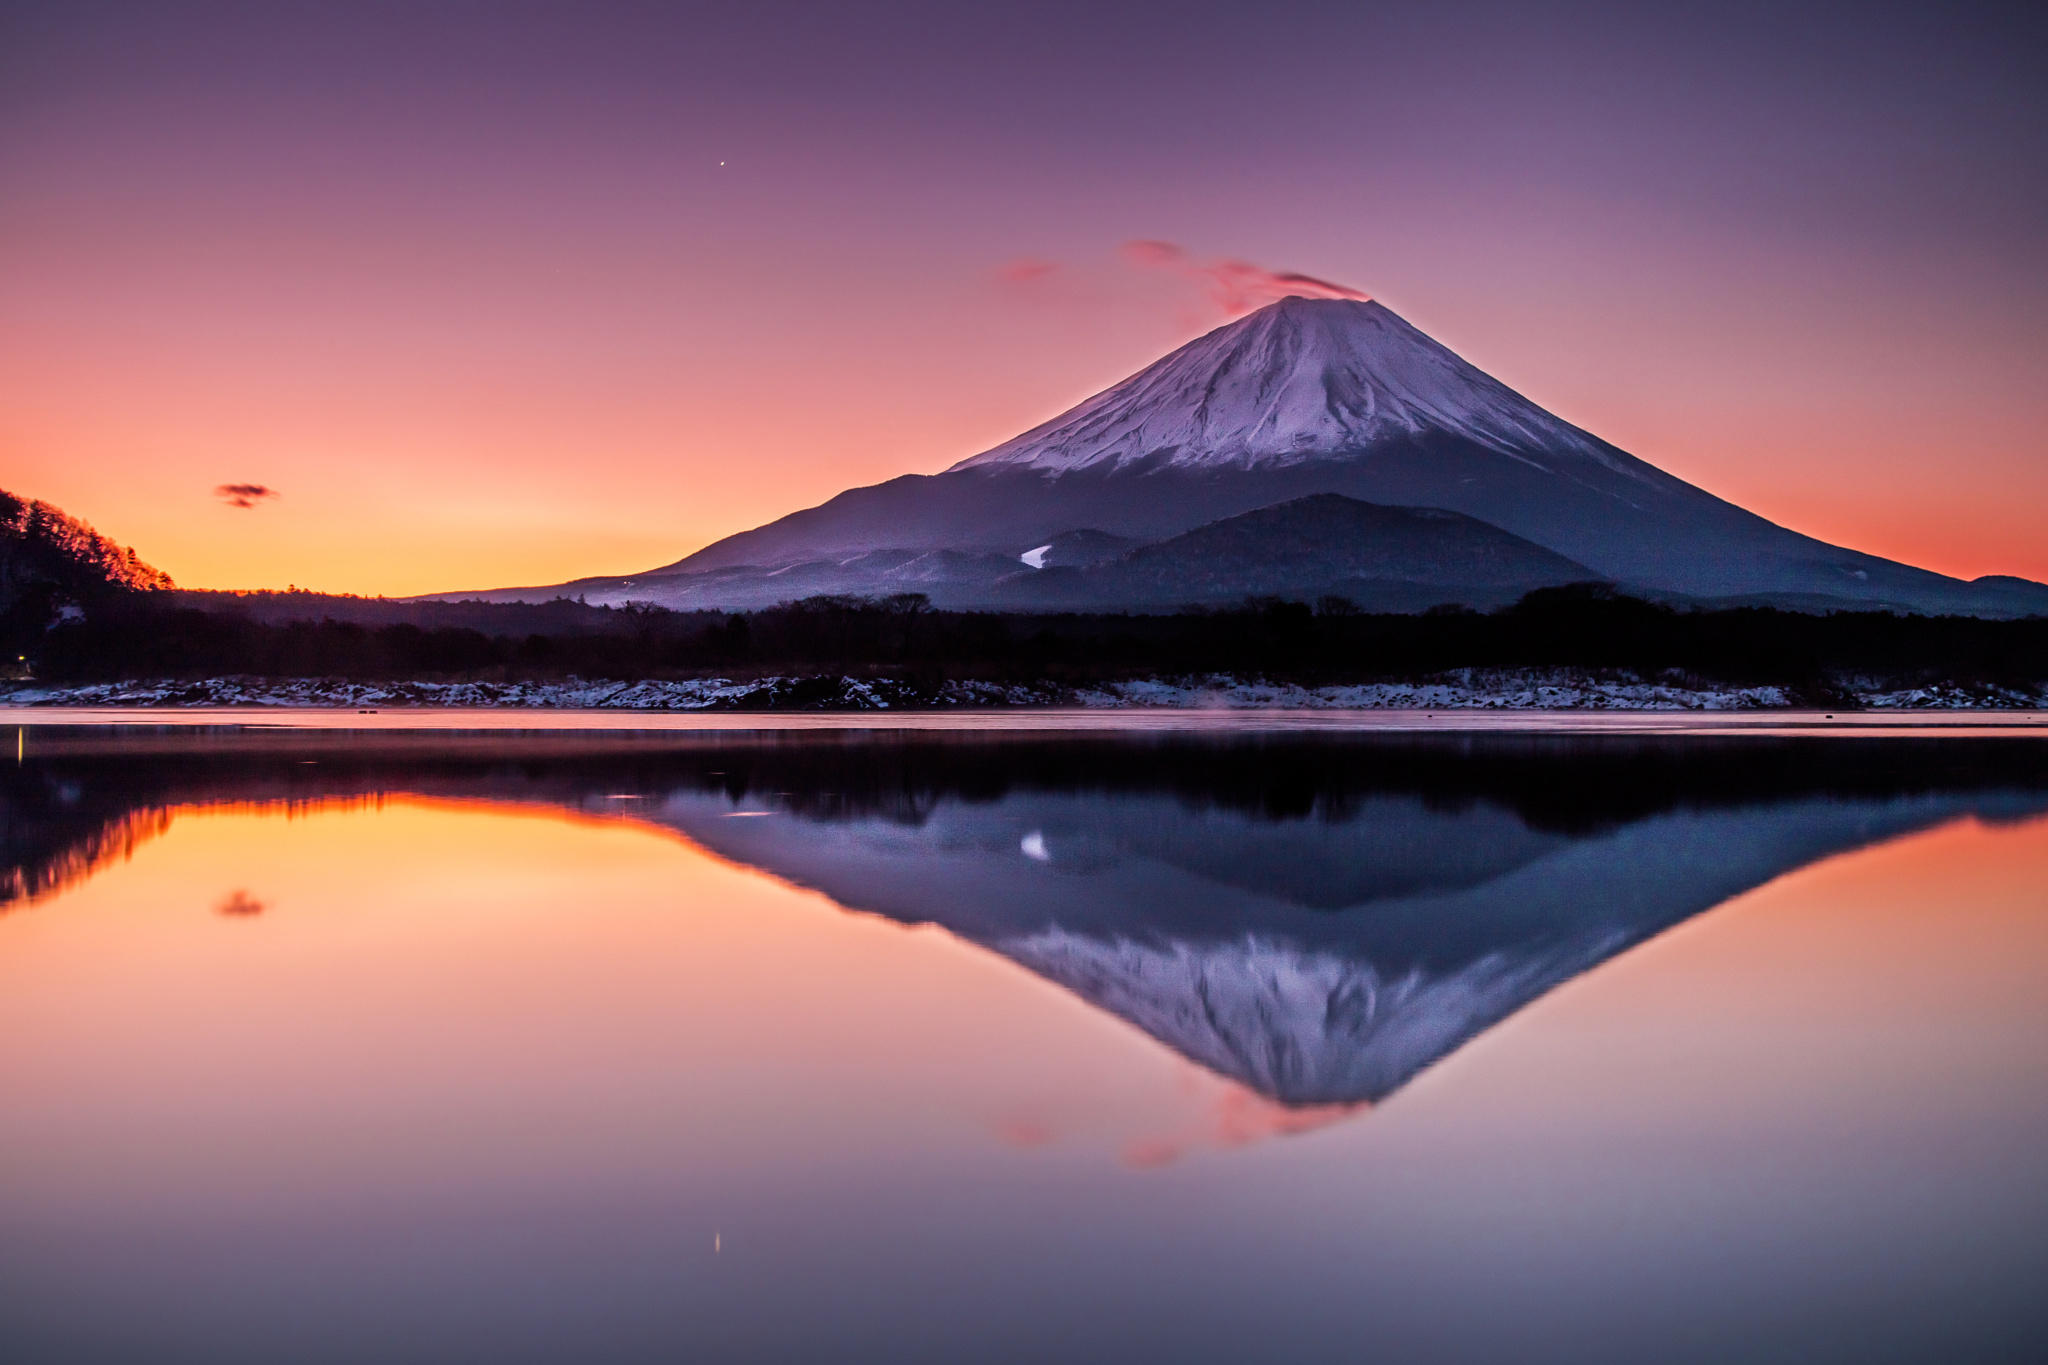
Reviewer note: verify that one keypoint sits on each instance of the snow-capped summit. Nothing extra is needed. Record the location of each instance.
(1298, 380)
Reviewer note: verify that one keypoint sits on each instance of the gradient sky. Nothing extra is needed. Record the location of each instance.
(467, 283)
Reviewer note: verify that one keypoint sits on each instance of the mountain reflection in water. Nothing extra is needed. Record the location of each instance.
(1317, 919)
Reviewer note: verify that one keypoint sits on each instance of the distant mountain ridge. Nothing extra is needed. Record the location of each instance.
(1304, 397)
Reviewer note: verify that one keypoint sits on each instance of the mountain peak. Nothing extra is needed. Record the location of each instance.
(1300, 379)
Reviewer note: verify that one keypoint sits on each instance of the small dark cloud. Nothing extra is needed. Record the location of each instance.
(240, 904)
(244, 494)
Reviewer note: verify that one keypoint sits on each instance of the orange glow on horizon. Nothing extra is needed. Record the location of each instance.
(495, 453)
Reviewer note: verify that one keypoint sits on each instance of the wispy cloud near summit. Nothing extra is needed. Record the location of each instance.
(1235, 286)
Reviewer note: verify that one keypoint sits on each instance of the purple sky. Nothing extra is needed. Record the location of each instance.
(467, 285)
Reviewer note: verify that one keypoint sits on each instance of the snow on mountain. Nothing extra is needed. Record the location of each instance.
(1299, 380)
(1297, 1025)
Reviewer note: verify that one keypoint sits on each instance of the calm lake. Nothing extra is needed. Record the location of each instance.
(1079, 1044)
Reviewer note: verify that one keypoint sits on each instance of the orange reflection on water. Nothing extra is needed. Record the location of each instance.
(447, 990)
(526, 986)
(575, 1050)
(1230, 1117)
(114, 842)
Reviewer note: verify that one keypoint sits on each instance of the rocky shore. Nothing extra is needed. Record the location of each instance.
(1557, 690)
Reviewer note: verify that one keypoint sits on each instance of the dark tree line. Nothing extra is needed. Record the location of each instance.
(155, 635)
(51, 567)
(40, 546)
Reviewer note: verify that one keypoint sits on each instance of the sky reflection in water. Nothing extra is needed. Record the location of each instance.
(346, 1047)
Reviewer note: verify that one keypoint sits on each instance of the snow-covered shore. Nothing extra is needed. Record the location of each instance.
(1465, 690)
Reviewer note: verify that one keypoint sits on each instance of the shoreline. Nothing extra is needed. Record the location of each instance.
(1556, 690)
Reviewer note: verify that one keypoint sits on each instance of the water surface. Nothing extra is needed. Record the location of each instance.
(402, 1045)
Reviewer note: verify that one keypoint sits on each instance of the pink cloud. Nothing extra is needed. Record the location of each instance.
(1144, 252)
(1025, 1133)
(1025, 269)
(1233, 285)
(1150, 1153)
(1235, 1118)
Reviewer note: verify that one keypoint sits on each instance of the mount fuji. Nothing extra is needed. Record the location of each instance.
(1303, 399)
